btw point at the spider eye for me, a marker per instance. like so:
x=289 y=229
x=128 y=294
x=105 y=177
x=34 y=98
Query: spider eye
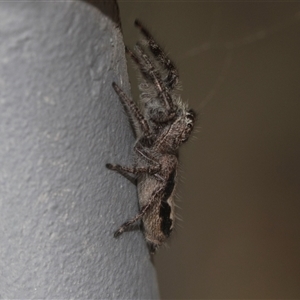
x=189 y=126
x=191 y=115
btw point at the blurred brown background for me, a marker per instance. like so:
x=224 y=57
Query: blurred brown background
x=240 y=190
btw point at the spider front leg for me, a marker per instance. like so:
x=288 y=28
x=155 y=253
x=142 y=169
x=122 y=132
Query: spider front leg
x=172 y=77
x=151 y=75
x=133 y=112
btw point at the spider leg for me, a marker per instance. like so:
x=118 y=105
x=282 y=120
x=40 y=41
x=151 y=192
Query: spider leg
x=152 y=169
x=133 y=111
x=132 y=170
x=149 y=72
x=142 y=212
x=151 y=159
x=147 y=68
x=125 y=173
x=159 y=54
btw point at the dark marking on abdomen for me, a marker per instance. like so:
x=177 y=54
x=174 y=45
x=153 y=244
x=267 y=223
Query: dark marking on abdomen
x=166 y=222
x=169 y=186
x=165 y=208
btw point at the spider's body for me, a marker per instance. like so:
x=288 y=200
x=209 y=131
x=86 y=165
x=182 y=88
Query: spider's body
x=161 y=125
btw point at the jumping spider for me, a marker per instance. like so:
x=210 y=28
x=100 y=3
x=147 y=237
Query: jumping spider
x=161 y=125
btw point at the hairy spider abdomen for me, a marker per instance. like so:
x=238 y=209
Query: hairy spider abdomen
x=158 y=222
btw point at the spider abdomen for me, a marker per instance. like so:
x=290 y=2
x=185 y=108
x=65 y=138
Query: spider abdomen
x=158 y=222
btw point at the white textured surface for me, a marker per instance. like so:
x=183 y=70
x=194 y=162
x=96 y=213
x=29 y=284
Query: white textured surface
x=60 y=122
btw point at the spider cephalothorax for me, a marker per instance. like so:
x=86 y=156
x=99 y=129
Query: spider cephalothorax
x=161 y=124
